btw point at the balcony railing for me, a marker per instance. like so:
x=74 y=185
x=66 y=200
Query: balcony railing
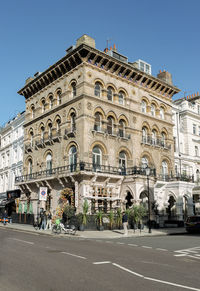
x=82 y=166
x=149 y=140
x=112 y=132
x=170 y=178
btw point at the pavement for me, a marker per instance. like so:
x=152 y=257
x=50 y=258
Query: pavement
x=105 y=234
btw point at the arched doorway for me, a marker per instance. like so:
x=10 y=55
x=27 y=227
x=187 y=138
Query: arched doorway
x=171 y=209
x=129 y=200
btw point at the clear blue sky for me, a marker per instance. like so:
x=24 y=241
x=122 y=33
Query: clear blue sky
x=35 y=34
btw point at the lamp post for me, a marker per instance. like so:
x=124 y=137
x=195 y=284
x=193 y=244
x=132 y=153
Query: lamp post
x=149 y=203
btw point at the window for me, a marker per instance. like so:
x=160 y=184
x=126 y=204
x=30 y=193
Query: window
x=31 y=138
x=58 y=122
x=30 y=166
x=144 y=162
x=144 y=106
x=51 y=102
x=73 y=123
x=110 y=94
x=110 y=125
x=196 y=151
x=42 y=133
x=49 y=163
x=96 y=158
x=194 y=128
x=74 y=89
x=50 y=130
x=162 y=113
x=32 y=111
x=144 y=135
x=97 y=125
x=59 y=97
x=122 y=162
x=73 y=158
x=121 y=128
x=164 y=169
x=153 y=110
x=121 y=98
x=163 y=139
x=154 y=137
x=97 y=89
x=43 y=105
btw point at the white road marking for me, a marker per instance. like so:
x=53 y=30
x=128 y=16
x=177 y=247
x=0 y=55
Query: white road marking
x=127 y=270
x=180 y=255
x=190 y=252
x=159 y=249
x=119 y=243
x=155 y=280
x=99 y=263
x=27 y=242
x=146 y=247
x=132 y=245
x=73 y=255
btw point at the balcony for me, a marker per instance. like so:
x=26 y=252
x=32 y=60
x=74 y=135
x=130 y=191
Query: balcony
x=171 y=178
x=70 y=133
x=149 y=140
x=56 y=135
x=40 y=143
x=87 y=167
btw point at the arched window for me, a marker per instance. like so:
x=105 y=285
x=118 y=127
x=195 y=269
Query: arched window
x=110 y=94
x=196 y=151
x=110 y=125
x=164 y=169
x=31 y=138
x=50 y=130
x=98 y=122
x=73 y=158
x=154 y=137
x=49 y=163
x=59 y=97
x=32 y=111
x=97 y=89
x=163 y=139
x=73 y=89
x=43 y=105
x=30 y=167
x=144 y=162
x=42 y=133
x=121 y=98
x=121 y=128
x=58 y=122
x=122 y=162
x=162 y=115
x=144 y=135
x=50 y=101
x=73 y=122
x=153 y=110
x=144 y=106
x=96 y=158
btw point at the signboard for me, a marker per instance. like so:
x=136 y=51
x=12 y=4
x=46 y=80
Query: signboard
x=43 y=194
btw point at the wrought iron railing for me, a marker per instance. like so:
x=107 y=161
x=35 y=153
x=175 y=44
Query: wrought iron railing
x=169 y=178
x=82 y=166
x=149 y=140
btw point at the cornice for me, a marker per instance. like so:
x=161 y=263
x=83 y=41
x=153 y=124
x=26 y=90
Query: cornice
x=85 y=53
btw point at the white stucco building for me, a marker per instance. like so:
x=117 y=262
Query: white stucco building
x=11 y=152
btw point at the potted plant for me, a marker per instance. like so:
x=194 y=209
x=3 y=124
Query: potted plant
x=99 y=218
x=111 y=219
x=84 y=216
x=139 y=211
x=119 y=218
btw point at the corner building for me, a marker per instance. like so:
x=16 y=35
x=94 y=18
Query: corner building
x=93 y=122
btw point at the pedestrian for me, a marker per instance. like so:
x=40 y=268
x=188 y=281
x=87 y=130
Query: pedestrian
x=49 y=217
x=125 y=223
x=5 y=217
x=43 y=217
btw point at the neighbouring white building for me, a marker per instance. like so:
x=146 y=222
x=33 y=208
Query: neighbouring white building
x=11 y=152
x=181 y=196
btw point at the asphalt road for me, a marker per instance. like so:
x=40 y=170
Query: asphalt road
x=40 y=262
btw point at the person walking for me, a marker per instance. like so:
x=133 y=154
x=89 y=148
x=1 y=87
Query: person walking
x=5 y=217
x=125 y=223
x=49 y=216
x=43 y=220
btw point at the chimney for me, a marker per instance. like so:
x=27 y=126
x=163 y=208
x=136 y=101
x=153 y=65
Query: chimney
x=114 y=48
x=165 y=76
x=85 y=39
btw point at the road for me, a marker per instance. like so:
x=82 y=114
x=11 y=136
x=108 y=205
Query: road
x=30 y=261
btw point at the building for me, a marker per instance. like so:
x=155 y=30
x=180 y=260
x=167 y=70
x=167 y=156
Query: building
x=11 y=154
x=94 y=121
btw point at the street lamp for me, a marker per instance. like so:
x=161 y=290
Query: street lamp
x=149 y=204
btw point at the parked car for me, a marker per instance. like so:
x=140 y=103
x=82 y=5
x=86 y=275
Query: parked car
x=193 y=223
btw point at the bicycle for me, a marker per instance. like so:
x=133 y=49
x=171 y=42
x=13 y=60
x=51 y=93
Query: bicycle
x=59 y=227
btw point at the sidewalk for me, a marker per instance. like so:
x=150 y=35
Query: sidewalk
x=106 y=234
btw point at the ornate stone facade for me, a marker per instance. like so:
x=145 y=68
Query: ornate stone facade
x=93 y=122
